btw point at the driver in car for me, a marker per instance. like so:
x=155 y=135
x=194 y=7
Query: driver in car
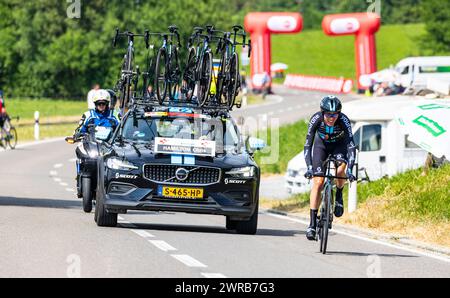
x=101 y=116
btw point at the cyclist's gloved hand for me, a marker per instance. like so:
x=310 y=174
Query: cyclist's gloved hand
x=309 y=174
x=350 y=176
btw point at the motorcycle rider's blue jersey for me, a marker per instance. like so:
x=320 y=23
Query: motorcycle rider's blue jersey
x=105 y=119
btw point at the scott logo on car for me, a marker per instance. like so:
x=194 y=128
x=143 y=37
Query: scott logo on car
x=122 y=176
x=234 y=181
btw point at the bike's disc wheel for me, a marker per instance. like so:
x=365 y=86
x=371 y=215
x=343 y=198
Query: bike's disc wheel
x=204 y=83
x=189 y=74
x=12 y=138
x=161 y=76
x=234 y=79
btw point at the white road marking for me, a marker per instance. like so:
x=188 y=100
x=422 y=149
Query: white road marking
x=162 y=245
x=444 y=259
x=213 y=275
x=290 y=109
x=143 y=234
x=53 y=173
x=57 y=179
x=70 y=189
x=58 y=165
x=63 y=184
x=271 y=113
x=189 y=261
x=72 y=160
x=281 y=111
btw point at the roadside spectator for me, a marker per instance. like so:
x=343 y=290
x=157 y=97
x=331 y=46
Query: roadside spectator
x=90 y=96
x=387 y=89
x=262 y=84
x=243 y=79
x=150 y=92
x=2 y=110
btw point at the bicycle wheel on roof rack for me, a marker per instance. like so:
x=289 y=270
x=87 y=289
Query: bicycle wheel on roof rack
x=174 y=77
x=204 y=82
x=221 y=80
x=188 y=84
x=233 y=81
x=161 y=76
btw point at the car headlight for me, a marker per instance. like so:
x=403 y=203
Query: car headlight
x=246 y=172
x=119 y=164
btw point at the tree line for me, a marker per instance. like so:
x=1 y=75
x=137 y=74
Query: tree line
x=45 y=53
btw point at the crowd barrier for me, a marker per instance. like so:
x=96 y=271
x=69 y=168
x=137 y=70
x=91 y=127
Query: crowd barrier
x=316 y=83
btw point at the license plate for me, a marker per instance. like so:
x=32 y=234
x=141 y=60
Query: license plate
x=180 y=192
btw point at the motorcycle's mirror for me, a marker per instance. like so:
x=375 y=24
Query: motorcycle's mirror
x=70 y=140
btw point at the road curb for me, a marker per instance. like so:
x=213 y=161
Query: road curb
x=387 y=238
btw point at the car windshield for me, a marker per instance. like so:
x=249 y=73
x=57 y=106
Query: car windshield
x=141 y=129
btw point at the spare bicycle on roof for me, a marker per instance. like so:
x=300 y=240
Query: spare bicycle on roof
x=199 y=83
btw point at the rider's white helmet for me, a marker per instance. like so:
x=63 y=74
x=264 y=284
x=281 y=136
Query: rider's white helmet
x=101 y=95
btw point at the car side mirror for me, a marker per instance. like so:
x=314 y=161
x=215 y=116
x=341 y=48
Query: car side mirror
x=255 y=144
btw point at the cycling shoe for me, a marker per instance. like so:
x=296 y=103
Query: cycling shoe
x=311 y=233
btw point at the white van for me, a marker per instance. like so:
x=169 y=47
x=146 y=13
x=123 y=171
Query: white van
x=383 y=149
x=416 y=71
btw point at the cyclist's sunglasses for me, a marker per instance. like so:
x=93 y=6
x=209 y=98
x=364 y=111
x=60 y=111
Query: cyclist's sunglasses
x=331 y=115
x=102 y=103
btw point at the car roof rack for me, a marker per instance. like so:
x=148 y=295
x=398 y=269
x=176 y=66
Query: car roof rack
x=152 y=104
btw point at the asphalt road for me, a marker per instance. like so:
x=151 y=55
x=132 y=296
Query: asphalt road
x=44 y=233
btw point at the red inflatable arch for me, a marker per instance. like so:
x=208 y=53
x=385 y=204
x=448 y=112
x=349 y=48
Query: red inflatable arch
x=261 y=25
x=363 y=26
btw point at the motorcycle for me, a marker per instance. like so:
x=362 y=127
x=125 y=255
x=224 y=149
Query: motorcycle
x=87 y=152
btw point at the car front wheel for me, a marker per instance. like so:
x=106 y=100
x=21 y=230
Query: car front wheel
x=103 y=217
x=246 y=227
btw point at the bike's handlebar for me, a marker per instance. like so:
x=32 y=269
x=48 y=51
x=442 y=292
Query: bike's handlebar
x=131 y=36
x=330 y=176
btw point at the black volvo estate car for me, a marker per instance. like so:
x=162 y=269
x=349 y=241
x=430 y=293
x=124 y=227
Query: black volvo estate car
x=182 y=160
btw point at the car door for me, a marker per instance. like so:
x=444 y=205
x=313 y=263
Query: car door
x=372 y=156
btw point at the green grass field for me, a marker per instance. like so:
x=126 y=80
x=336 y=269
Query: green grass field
x=47 y=108
x=314 y=53
x=26 y=133
x=51 y=110
x=291 y=140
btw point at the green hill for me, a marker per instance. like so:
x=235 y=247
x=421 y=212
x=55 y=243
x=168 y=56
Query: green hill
x=314 y=53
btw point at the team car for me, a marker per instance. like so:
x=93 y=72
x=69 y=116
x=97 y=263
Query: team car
x=179 y=159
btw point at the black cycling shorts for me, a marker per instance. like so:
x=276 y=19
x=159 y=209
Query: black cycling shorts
x=321 y=152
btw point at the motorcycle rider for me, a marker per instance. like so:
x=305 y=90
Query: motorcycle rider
x=330 y=132
x=102 y=115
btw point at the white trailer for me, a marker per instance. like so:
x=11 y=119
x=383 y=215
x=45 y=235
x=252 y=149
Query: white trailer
x=417 y=72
